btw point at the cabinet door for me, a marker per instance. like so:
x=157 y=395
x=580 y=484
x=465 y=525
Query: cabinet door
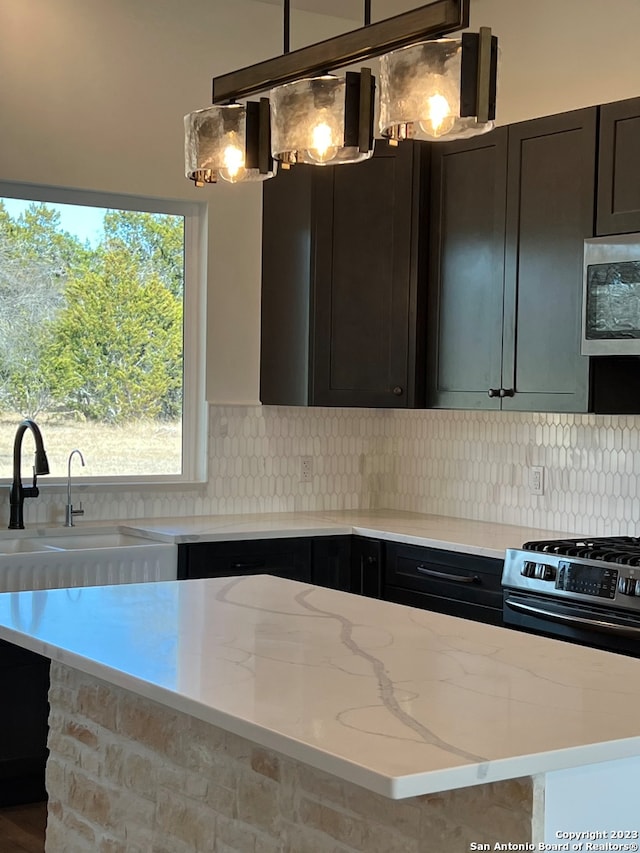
x=286 y=282
x=619 y=169
x=468 y=188
x=550 y=201
x=331 y=562
x=23 y=725
x=365 y=298
x=285 y=558
x=366 y=566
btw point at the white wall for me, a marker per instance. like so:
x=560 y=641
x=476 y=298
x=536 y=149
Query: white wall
x=557 y=55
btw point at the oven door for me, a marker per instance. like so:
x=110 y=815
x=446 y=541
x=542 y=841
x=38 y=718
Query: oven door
x=588 y=625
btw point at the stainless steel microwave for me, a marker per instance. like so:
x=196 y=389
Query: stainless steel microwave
x=611 y=296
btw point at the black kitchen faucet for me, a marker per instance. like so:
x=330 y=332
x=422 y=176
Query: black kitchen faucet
x=18 y=492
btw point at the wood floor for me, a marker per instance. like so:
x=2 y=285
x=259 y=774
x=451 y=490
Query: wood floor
x=22 y=828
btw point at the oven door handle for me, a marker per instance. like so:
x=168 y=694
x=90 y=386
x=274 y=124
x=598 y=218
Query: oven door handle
x=594 y=624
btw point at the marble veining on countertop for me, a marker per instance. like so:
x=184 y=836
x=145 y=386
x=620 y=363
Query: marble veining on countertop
x=398 y=700
x=458 y=534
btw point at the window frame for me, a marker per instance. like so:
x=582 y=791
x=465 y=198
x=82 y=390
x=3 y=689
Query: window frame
x=194 y=405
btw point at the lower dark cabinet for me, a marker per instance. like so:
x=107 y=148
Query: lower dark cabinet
x=285 y=558
x=449 y=582
x=462 y=585
x=331 y=558
x=367 y=556
x=23 y=725
x=322 y=560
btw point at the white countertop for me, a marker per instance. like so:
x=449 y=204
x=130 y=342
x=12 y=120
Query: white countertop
x=398 y=700
x=454 y=534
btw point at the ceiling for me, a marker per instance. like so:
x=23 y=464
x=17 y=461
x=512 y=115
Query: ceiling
x=353 y=10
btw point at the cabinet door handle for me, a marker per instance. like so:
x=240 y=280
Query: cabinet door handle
x=493 y=392
x=250 y=564
x=507 y=392
x=371 y=560
x=446 y=576
x=398 y=391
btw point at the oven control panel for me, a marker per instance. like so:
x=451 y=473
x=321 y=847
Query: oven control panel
x=569 y=577
x=599 y=581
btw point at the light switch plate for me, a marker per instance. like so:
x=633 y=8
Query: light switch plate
x=536 y=480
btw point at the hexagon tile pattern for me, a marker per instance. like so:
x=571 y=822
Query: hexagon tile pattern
x=476 y=465
x=457 y=463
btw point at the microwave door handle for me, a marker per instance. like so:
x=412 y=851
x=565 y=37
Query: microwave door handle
x=599 y=625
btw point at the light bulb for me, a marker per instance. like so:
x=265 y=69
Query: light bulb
x=440 y=118
x=322 y=151
x=233 y=169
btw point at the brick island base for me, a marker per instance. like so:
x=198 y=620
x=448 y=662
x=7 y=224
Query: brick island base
x=128 y=774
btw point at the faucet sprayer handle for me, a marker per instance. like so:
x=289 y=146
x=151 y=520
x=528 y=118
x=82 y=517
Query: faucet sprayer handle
x=31 y=491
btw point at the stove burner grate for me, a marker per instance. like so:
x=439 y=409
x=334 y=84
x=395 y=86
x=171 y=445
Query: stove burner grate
x=609 y=549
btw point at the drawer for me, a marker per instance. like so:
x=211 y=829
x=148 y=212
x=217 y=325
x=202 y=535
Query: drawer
x=448 y=606
x=447 y=574
x=286 y=558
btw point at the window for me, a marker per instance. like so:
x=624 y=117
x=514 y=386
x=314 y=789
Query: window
x=101 y=333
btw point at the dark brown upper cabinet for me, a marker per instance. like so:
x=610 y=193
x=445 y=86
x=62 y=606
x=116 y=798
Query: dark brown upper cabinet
x=618 y=168
x=342 y=283
x=468 y=193
x=509 y=213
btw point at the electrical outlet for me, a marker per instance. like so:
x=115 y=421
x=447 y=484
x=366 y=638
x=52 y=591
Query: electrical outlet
x=536 y=480
x=306 y=469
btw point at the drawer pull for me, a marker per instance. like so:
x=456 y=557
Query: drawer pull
x=251 y=564
x=445 y=576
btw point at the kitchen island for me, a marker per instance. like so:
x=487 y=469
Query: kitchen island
x=261 y=714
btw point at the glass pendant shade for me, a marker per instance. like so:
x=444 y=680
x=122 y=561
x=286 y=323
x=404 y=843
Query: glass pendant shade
x=216 y=146
x=308 y=123
x=420 y=93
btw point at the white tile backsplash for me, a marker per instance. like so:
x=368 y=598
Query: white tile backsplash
x=457 y=463
x=476 y=465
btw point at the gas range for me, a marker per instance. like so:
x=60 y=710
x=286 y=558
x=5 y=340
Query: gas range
x=586 y=590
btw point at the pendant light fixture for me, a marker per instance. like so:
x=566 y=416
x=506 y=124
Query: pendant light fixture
x=325 y=120
x=432 y=88
x=440 y=90
x=229 y=142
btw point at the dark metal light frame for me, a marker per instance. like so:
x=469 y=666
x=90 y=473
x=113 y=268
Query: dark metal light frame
x=431 y=21
x=478 y=75
x=359 y=110
x=258 y=137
